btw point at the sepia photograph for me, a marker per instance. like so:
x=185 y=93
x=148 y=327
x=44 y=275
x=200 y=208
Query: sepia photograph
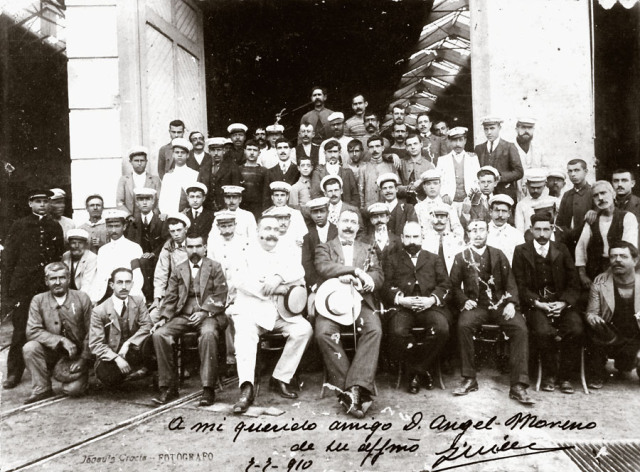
x=319 y=235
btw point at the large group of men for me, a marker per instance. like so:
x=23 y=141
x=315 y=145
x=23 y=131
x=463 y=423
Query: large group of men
x=399 y=243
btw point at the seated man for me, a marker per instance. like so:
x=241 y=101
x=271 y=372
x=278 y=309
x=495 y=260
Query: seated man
x=258 y=309
x=195 y=300
x=352 y=262
x=119 y=334
x=58 y=332
x=614 y=302
x=201 y=218
x=484 y=290
x=549 y=287
x=399 y=213
x=416 y=282
x=81 y=261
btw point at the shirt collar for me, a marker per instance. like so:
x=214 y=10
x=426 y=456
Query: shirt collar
x=495 y=143
x=539 y=246
x=481 y=251
x=99 y=222
x=117 y=304
x=60 y=300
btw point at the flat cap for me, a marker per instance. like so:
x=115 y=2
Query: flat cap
x=558 y=173
x=536 y=174
x=78 y=233
x=235 y=127
x=180 y=217
x=57 y=193
x=336 y=115
x=214 y=142
x=491 y=120
x=182 y=143
x=278 y=212
x=114 y=214
x=225 y=215
x=144 y=192
x=278 y=185
x=232 y=189
x=457 y=131
x=378 y=208
x=431 y=174
x=544 y=203
x=320 y=202
x=329 y=178
x=526 y=120
x=501 y=198
x=387 y=177
x=138 y=150
x=491 y=169
x=275 y=129
x=196 y=186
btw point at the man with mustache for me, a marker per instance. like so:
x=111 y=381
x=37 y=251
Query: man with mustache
x=165 y=154
x=431 y=186
x=332 y=150
x=438 y=238
x=432 y=147
x=416 y=282
x=399 y=213
x=285 y=170
x=355 y=125
x=139 y=177
x=372 y=127
x=238 y=135
x=194 y=300
x=556 y=183
x=222 y=172
x=383 y=241
x=198 y=157
x=245 y=221
x=260 y=137
x=352 y=262
x=268 y=157
x=273 y=270
x=280 y=198
x=374 y=168
x=536 y=190
x=614 y=301
x=623 y=182
x=336 y=121
x=501 y=233
x=611 y=224
x=549 y=287
x=319 y=116
x=81 y=261
x=306 y=146
x=485 y=291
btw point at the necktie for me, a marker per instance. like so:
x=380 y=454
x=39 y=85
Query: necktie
x=543 y=252
x=347 y=243
x=490 y=147
x=146 y=220
x=195 y=214
x=124 y=310
x=124 y=323
x=284 y=168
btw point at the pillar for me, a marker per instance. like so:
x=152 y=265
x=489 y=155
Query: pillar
x=534 y=58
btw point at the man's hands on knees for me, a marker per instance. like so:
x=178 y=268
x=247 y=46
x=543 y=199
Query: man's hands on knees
x=70 y=347
x=509 y=311
x=470 y=305
x=123 y=365
x=594 y=320
x=196 y=317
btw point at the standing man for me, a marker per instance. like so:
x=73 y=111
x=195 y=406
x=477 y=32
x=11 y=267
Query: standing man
x=336 y=120
x=377 y=165
x=285 y=170
x=399 y=133
x=82 y=263
x=252 y=178
x=459 y=170
x=96 y=227
x=56 y=210
x=437 y=236
x=399 y=213
x=223 y=172
x=260 y=137
x=476 y=205
x=484 y=290
x=556 y=183
x=280 y=197
x=139 y=178
x=501 y=234
x=319 y=116
x=536 y=189
x=58 y=334
x=502 y=155
x=32 y=242
x=549 y=287
x=358 y=271
x=259 y=308
x=355 y=125
x=320 y=232
x=412 y=168
x=301 y=190
x=424 y=210
x=530 y=156
x=268 y=157
x=306 y=146
x=383 y=241
x=238 y=135
x=201 y=219
x=165 y=155
x=119 y=334
x=575 y=204
x=195 y=299
x=441 y=128
x=623 y=182
x=198 y=158
x=172 y=197
x=245 y=222
x=416 y=282
x=431 y=144
x=333 y=167
x=356 y=156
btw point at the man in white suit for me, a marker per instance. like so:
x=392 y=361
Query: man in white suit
x=273 y=270
x=82 y=263
x=459 y=169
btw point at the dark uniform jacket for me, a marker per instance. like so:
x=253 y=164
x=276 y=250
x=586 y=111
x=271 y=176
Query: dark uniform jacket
x=227 y=174
x=150 y=239
x=201 y=225
x=350 y=193
x=309 y=244
x=506 y=160
x=402 y=213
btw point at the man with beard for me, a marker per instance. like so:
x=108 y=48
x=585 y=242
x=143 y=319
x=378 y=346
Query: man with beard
x=431 y=144
x=256 y=310
x=355 y=124
x=353 y=263
x=285 y=170
x=416 y=282
x=623 y=182
x=253 y=179
x=548 y=285
x=319 y=116
x=431 y=186
x=530 y=156
x=399 y=133
x=336 y=121
x=165 y=154
x=412 y=168
x=198 y=158
x=536 y=189
x=58 y=330
x=502 y=155
x=484 y=290
x=119 y=334
x=96 y=226
x=614 y=300
x=332 y=150
x=611 y=224
x=268 y=158
x=320 y=232
x=501 y=234
x=374 y=168
x=238 y=135
x=32 y=242
x=437 y=237
x=195 y=299
x=399 y=213
x=556 y=183
x=306 y=146
x=222 y=172
x=172 y=196
x=260 y=137
x=575 y=204
x=245 y=221
x=383 y=241
x=82 y=263
x=140 y=177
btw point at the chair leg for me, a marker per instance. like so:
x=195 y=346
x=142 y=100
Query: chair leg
x=324 y=380
x=439 y=374
x=583 y=378
x=375 y=388
x=539 y=380
x=399 y=378
x=180 y=360
x=258 y=371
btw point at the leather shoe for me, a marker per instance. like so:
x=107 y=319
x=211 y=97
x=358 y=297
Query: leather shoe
x=427 y=381
x=355 y=402
x=282 y=388
x=246 y=399
x=519 y=393
x=549 y=384
x=36 y=397
x=566 y=387
x=10 y=382
x=414 y=384
x=166 y=395
x=208 y=397
x=138 y=374
x=467 y=385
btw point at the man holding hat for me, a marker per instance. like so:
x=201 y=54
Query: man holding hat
x=165 y=154
x=56 y=210
x=238 y=135
x=476 y=205
x=417 y=283
x=252 y=178
x=223 y=172
x=424 y=210
x=198 y=160
x=266 y=290
x=459 y=170
x=320 y=232
x=201 y=218
x=502 y=155
x=501 y=233
x=140 y=177
x=82 y=263
x=58 y=334
x=399 y=213
x=118 y=252
x=536 y=189
x=332 y=150
x=319 y=116
x=356 y=267
x=245 y=222
x=268 y=157
x=336 y=121
x=172 y=196
x=32 y=242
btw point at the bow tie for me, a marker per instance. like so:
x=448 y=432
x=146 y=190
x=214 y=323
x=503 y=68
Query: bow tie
x=347 y=243
x=196 y=266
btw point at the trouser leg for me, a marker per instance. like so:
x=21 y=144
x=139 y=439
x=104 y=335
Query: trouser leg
x=362 y=371
x=571 y=330
x=15 y=360
x=437 y=333
x=163 y=340
x=468 y=322
x=229 y=335
x=516 y=329
x=210 y=330
x=327 y=334
x=38 y=360
x=544 y=334
x=246 y=346
x=298 y=335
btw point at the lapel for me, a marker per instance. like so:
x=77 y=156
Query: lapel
x=422 y=259
x=337 y=248
x=359 y=254
x=148 y=181
x=129 y=185
x=205 y=271
x=495 y=261
x=185 y=272
x=56 y=327
x=554 y=253
x=332 y=233
x=81 y=264
x=113 y=316
x=608 y=294
x=636 y=302
x=529 y=254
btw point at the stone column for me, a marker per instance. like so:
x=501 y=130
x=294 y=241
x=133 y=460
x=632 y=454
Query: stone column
x=533 y=57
